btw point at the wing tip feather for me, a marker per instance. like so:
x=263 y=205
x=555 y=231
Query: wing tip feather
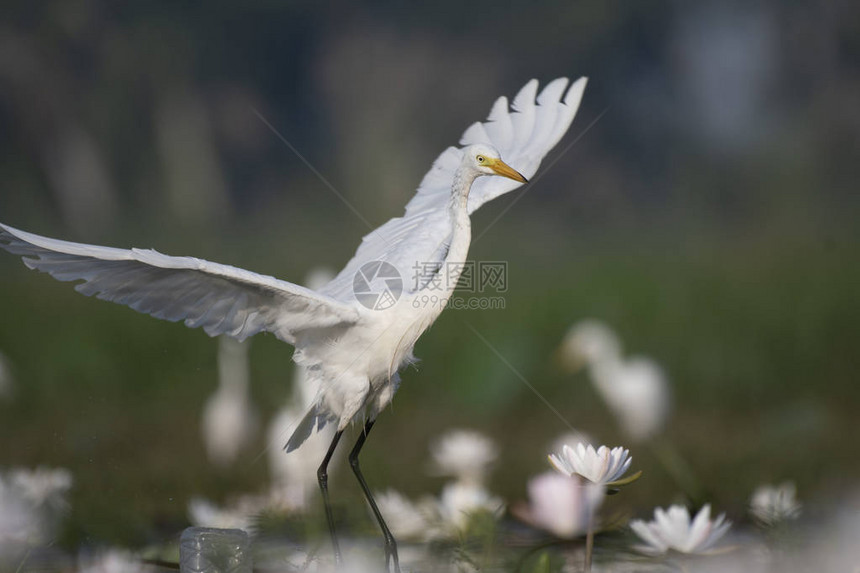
x=552 y=91
x=575 y=91
x=526 y=96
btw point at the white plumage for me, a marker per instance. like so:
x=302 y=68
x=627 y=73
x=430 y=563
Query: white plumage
x=219 y=298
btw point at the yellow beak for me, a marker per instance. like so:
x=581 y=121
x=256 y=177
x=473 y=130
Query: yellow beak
x=505 y=170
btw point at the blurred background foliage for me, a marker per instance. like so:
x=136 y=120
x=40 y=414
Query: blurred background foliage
x=709 y=215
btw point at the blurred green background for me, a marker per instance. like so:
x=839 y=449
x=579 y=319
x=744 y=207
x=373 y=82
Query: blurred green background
x=709 y=215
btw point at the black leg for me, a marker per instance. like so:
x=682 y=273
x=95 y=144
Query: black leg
x=322 y=478
x=390 y=543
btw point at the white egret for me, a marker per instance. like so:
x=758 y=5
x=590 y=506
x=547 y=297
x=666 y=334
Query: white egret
x=357 y=331
x=6 y=382
x=229 y=420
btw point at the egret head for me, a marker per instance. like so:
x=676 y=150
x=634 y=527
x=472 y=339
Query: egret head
x=486 y=160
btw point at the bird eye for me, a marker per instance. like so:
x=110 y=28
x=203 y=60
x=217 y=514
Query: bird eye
x=480 y=159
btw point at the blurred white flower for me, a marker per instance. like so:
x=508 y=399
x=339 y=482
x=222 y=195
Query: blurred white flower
x=601 y=466
x=444 y=517
x=635 y=390
x=561 y=505
x=20 y=520
x=229 y=422
x=42 y=486
x=772 y=504
x=113 y=561
x=459 y=500
x=204 y=513
x=673 y=529
x=6 y=382
x=407 y=520
x=464 y=454
x=32 y=503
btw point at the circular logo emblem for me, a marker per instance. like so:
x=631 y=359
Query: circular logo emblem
x=377 y=285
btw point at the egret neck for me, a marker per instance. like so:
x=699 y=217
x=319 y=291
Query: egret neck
x=461 y=237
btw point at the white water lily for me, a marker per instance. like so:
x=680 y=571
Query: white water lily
x=459 y=500
x=407 y=520
x=673 y=529
x=601 y=466
x=32 y=503
x=113 y=561
x=42 y=486
x=464 y=454
x=560 y=505
x=204 y=513
x=20 y=522
x=443 y=517
x=773 y=504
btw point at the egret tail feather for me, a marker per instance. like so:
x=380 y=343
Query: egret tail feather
x=312 y=420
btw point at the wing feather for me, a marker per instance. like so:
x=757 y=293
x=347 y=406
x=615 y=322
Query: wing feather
x=523 y=132
x=568 y=112
x=539 y=124
x=524 y=116
x=546 y=116
x=474 y=133
x=218 y=298
x=499 y=126
x=227 y=300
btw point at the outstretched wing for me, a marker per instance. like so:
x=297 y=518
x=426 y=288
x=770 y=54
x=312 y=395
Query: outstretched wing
x=523 y=132
x=219 y=298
